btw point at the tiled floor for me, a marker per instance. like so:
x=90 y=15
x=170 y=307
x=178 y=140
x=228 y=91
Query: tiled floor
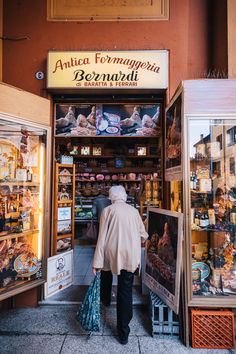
x=83 y=276
x=83 y=259
x=54 y=329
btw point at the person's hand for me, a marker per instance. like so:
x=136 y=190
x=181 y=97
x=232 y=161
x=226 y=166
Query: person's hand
x=143 y=243
x=95 y=270
x=146 y=223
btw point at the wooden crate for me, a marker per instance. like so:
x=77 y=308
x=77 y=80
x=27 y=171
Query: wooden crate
x=212 y=329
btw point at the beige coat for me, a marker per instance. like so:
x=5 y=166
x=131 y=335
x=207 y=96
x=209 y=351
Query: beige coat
x=119 y=239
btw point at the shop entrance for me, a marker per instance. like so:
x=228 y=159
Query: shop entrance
x=110 y=141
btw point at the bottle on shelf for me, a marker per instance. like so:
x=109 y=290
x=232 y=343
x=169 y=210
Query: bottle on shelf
x=212 y=217
x=233 y=215
x=29 y=174
x=195 y=182
x=207 y=222
x=191 y=181
x=197 y=218
x=202 y=222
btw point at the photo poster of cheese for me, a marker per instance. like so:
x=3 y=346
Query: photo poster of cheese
x=128 y=120
x=108 y=119
x=75 y=120
x=140 y=120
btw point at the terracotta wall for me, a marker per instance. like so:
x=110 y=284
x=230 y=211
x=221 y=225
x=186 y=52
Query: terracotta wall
x=1 y=28
x=231 y=10
x=185 y=35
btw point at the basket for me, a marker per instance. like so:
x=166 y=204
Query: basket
x=212 y=329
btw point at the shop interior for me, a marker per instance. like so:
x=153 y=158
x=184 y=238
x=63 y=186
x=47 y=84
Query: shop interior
x=100 y=142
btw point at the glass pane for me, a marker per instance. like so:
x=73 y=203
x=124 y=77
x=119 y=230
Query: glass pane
x=22 y=173
x=212 y=150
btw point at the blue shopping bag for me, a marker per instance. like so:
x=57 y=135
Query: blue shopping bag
x=89 y=311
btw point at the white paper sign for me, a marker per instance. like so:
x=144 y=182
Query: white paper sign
x=59 y=273
x=64 y=213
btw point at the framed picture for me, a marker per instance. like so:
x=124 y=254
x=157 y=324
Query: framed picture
x=85 y=150
x=173 y=148
x=152 y=150
x=163 y=256
x=64 y=226
x=141 y=150
x=97 y=150
x=75 y=150
x=21 y=174
x=119 y=162
x=64 y=213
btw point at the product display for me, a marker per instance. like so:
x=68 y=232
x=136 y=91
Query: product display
x=213 y=201
x=111 y=144
x=22 y=193
x=63 y=226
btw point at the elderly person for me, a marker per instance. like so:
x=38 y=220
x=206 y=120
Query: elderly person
x=118 y=251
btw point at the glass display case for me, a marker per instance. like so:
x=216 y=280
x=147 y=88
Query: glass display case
x=212 y=202
x=23 y=160
x=200 y=171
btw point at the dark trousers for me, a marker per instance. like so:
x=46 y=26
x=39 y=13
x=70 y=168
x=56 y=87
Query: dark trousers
x=124 y=305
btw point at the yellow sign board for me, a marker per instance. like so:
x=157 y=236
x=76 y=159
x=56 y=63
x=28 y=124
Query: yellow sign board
x=108 y=70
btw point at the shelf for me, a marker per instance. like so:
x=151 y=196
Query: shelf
x=16 y=234
x=64 y=175
x=31 y=184
x=66 y=165
x=118 y=170
x=66 y=201
x=64 y=236
x=199 y=192
x=211 y=230
x=118 y=180
x=116 y=156
x=101 y=137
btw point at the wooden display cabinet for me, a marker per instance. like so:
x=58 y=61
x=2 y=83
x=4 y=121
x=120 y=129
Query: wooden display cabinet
x=63 y=220
x=200 y=150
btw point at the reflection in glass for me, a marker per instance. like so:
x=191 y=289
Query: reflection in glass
x=212 y=184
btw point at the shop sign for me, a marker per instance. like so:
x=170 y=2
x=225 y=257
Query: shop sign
x=108 y=70
x=59 y=273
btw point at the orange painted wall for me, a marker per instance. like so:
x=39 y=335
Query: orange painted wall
x=185 y=35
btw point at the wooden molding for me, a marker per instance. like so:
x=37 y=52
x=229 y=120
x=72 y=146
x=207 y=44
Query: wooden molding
x=231 y=9
x=107 y=10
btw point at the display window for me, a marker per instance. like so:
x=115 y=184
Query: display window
x=22 y=204
x=213 y=206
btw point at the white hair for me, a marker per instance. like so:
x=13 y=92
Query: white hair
x=117 y=193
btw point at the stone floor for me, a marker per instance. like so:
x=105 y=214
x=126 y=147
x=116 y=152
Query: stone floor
x=54 y=329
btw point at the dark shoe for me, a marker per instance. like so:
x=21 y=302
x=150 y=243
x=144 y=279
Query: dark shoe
x=123 y=341
x=105 y=303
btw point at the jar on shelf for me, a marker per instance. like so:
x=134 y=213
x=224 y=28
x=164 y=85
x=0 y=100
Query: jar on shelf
x=128 y=163
x=111 y=163
x=92 y=163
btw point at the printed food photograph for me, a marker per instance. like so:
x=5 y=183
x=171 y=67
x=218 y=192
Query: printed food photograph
x=75 y=120
x=163 y=254
x=173 y=135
